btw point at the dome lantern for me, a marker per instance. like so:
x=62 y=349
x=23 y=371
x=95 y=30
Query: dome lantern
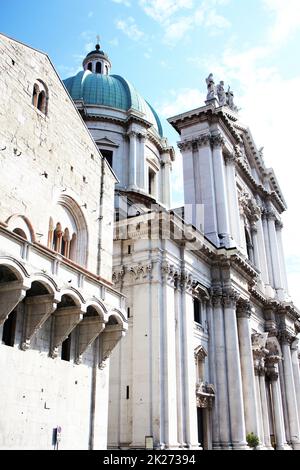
x=97 y=61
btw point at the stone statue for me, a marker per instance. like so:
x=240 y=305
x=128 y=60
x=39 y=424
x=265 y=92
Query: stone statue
x=230 y=101
x=211 y=89
x=221 y=94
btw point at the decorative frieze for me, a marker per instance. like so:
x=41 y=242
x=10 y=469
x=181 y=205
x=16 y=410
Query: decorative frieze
x=141 y=271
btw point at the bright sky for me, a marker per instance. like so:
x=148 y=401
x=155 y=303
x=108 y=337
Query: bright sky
x=166 y=48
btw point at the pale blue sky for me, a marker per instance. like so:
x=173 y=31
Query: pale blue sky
x=166 y=48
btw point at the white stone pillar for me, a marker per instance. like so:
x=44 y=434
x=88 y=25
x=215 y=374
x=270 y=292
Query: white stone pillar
x=273 y=374
x=265 y=411
x=220 y=191
x=279 y=227
x=206 y=188
x=132 y=159
x=179 y=365
x=236 y=403
x=260 y=432
x=262 y=252
x=274 y=251
x=247 y=367
x=255 y=246
x=189 y=373
x=292 y=407
x=267 y=248
x=221 y=376
x=168 y=353
x=296 y=371
x=212 y=376
x=233 y=203
x=166 y=179
x=141 y=180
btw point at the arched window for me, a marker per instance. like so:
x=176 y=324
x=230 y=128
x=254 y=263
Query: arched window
x=40 y=97
x=35 y=95
x=98 y=67
x=90 y=66
x=67 y=232
x=20 y=232
x=41 y=105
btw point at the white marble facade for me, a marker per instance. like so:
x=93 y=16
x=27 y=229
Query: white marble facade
x=211 y=353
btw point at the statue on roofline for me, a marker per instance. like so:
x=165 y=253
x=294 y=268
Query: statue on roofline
x=221 y=94
x=211 y=89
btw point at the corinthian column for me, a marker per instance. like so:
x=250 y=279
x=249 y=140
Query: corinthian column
x=274 y=251
x=220 y=190
x=221 y=378
x=132 y=159
x=296 y=371
x=236 y=403
x=165 y=180
x=233 y=203
x=273 y=374
x=290 y=390
x=255 y=246
x=247 y=367
x=279 y=227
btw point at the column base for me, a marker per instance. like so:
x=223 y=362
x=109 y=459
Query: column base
x=240 y=446
x=264 y=448
x=296 y=445
x=284 y=447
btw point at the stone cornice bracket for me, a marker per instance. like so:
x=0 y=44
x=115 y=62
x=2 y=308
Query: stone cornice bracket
x=230 y=158
x=244 y=309
x=141 y=271
x=118 y=275
x=217 y=140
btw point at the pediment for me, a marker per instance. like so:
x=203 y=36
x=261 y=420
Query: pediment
x=106 y=142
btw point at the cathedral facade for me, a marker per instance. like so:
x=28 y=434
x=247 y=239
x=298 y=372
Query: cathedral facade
x=91 y=250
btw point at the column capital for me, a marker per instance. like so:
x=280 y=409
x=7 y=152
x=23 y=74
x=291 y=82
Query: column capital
x=286 y=337
x=217 y=298
x=217 y=141
x=295 y=344
x=230 y=298
x=243 y=309
x=278 y=224
x=131 y=134
x=185 y=145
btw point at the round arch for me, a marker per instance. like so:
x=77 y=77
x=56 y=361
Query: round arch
x=20 y=223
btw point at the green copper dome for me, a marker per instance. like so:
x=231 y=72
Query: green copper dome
x=112 y=91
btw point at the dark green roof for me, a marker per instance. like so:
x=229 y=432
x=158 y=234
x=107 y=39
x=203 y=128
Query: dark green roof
x=112 y=91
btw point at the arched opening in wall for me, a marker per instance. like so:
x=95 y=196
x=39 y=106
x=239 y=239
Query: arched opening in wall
x=98 y=67
x=67 y=344
x=69 y=235
x=90 y=66
x=35 y=95
x=113 y=320
x=20 y=232
x=20 y=225
x=9 y=325
x=41 y=105
x=40 y=96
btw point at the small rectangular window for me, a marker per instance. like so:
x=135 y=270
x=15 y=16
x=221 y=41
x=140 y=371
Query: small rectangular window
x=108 y=154
x=151 y=182
x=128 y=312
x=129 y=249
x=127 y=392
x=197 y=311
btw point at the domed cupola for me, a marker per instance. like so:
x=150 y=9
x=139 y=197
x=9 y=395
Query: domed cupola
x=97 y=61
